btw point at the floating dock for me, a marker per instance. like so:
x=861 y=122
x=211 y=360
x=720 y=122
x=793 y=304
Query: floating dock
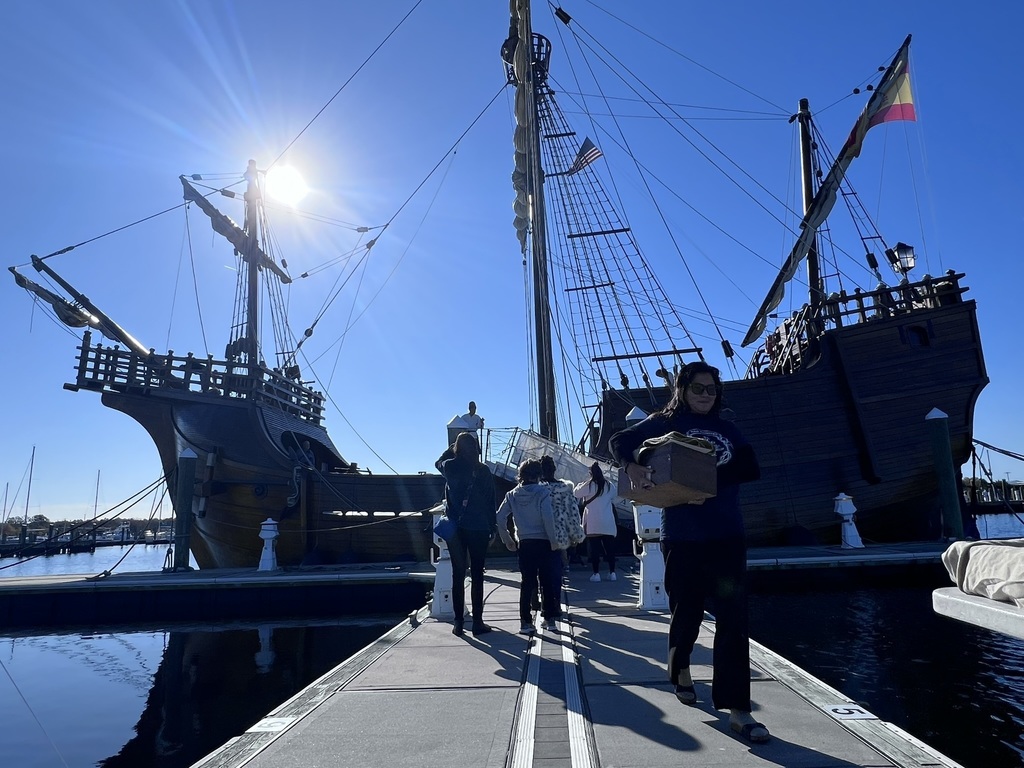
x=591 y=694
x=345 y=590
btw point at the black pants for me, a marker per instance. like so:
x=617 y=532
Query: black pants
x=468 y=548
x=599 y=545
x=539 y=563
x=715 y=570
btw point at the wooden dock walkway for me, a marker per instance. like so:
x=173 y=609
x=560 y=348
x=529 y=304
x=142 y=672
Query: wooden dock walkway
x=592 y=694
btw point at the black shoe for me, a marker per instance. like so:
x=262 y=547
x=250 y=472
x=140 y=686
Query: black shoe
x=457 y=629
x=479 y=628
x=686 y=694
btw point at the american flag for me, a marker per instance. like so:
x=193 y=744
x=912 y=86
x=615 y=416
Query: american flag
x=588 y=153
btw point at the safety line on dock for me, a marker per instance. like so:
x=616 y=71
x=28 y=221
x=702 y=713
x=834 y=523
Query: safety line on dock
x=523 y=741
x=579 y=743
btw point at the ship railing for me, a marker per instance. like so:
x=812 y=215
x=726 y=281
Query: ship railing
x=114 y=369
x=786 y=347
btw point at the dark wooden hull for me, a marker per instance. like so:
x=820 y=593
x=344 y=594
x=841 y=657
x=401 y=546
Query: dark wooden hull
x=852 y=422
x=245 y=475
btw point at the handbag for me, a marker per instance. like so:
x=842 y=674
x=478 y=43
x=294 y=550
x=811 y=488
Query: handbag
x=445 y=528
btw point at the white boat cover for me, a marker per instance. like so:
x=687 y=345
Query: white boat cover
x=989 y=568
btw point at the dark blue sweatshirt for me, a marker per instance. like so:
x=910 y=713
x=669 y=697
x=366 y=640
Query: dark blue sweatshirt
x=719 y=517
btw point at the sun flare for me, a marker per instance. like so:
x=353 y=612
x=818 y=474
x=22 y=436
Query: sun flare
x=286 y=185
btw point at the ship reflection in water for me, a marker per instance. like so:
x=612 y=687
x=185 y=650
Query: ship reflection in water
x=161 y=698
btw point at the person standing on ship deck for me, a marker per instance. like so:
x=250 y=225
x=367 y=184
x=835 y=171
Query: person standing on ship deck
x=704 y=545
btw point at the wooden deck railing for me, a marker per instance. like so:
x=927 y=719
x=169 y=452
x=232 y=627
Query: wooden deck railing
x=785 y=347
x=121 y=370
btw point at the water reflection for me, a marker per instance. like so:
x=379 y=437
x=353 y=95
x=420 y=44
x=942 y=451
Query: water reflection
x=161 y=698
x=956 y=687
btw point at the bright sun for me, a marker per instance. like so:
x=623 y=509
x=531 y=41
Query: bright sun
x=285 y=184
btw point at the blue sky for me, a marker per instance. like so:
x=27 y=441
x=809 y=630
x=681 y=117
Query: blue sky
x=107 y=102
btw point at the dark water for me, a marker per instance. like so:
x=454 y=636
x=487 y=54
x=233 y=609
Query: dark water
x=154 y=696
x=956 y=687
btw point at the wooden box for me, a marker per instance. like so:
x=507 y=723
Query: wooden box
x=680 y=475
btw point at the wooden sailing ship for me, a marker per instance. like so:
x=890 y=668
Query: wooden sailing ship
x=834 y=397
x=254 y=431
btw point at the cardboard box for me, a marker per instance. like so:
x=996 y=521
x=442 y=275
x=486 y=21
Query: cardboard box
x=680 y=475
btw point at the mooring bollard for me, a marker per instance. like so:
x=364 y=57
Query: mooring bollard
x=268 y=558
x=652 y=563
x=441 y=605
x=942 y=455
x=845 y=509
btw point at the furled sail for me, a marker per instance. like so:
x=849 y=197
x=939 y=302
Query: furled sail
x=891 y=100
x=223 y=225
x=79 y=314
x=67 y=313
x=519 y=45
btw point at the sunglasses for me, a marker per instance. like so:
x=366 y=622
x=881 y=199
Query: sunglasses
x=703 y=389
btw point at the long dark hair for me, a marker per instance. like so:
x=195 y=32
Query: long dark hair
x=686 y=376
x=547 y=469
x=467 y=448
x=597 y=477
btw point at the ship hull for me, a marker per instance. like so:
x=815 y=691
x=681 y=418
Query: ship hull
x=852 y=422
x=257 y=452
x=245 y=476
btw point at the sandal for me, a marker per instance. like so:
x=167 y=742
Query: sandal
x=755 y=733
x=686 y=694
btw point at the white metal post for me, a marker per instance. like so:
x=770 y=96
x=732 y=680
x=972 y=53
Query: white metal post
x=652 y=564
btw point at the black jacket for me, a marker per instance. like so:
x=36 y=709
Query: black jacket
x=469 y=494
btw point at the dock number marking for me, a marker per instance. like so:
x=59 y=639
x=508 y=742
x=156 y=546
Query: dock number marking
x=272 y=724
x=848 y=712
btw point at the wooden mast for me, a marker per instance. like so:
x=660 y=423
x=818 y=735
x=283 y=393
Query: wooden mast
x=251 y=227
x=536 y=80
x=814 y=284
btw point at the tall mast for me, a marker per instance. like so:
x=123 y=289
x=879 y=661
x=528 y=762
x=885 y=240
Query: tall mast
x=529 y=71
x=251 y=227
x=807 y=173
x=245 y=240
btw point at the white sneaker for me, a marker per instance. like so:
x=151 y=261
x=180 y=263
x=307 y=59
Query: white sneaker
x=596 y=577
x=612 y=576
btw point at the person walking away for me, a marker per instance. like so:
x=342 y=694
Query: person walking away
x=529 y=505
x=596 y=495
x=469 y=497
x=704 y=545
x=568 y=530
